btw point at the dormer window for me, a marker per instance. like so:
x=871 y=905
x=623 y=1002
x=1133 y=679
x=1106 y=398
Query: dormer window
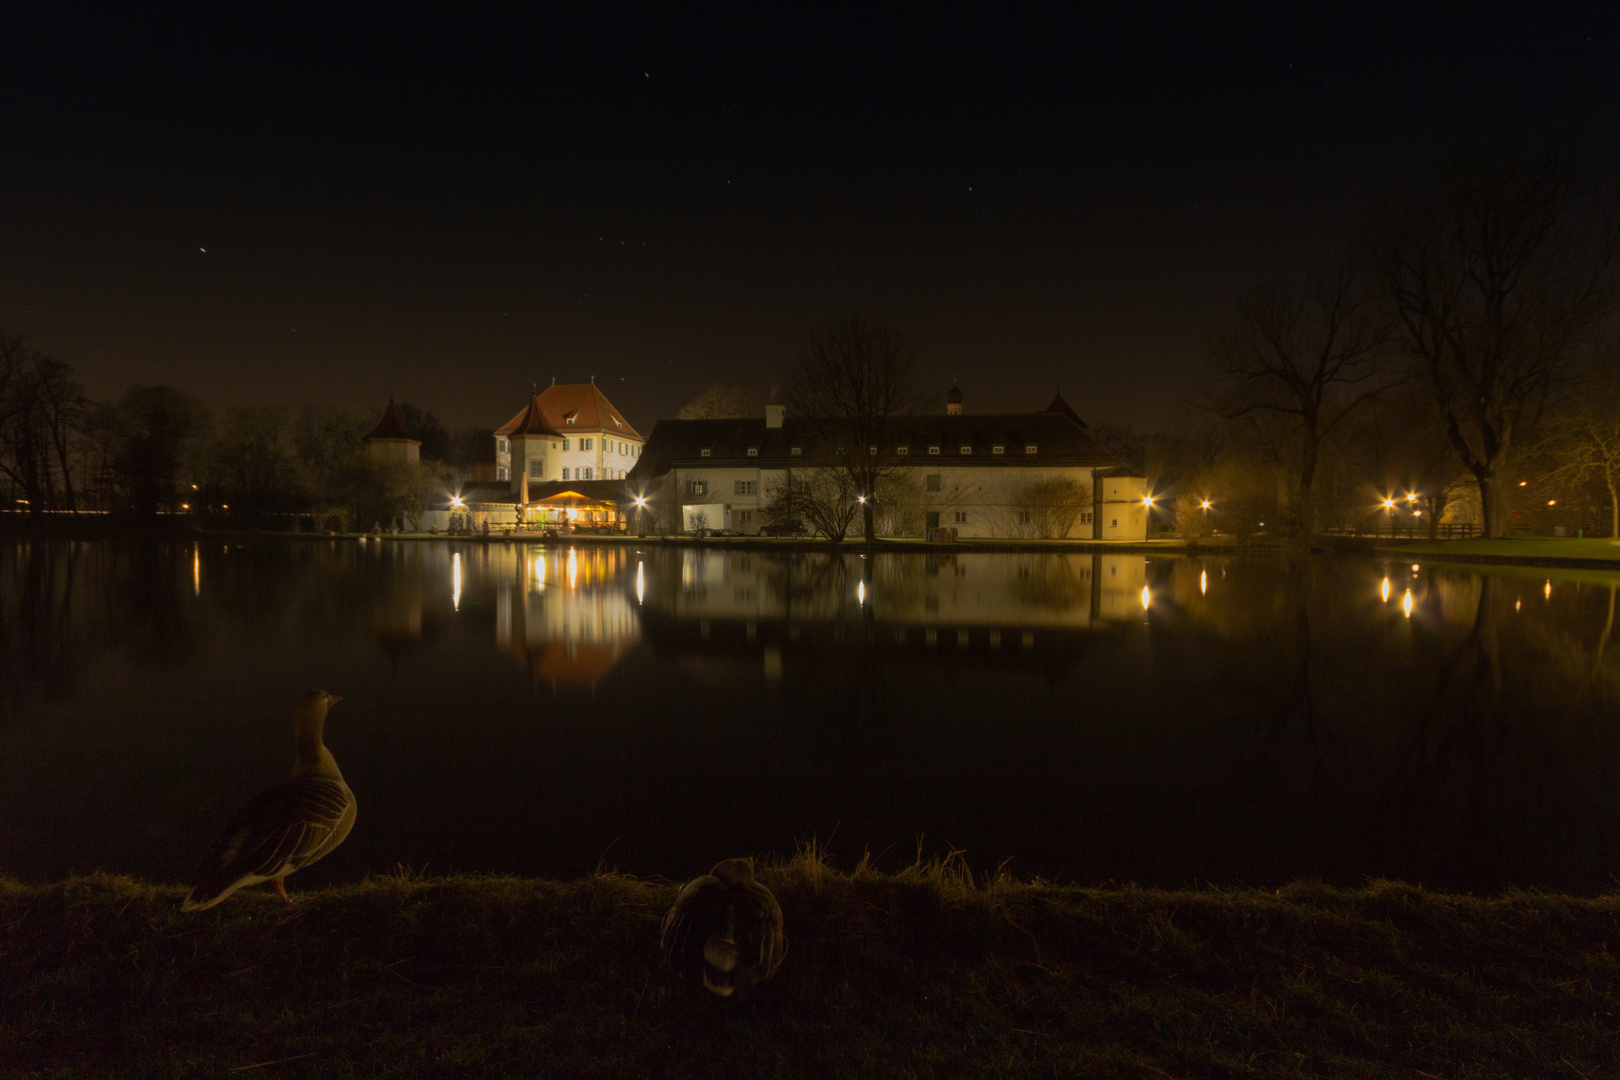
x=902 y=449
x=753 y=451
x=570 y=418
x=998 y=449
x=872 y=450
x=616 y=422
x=933 y=449
x=795 y=451
x=704 y=451
x=1030 y=449
x=967 y=449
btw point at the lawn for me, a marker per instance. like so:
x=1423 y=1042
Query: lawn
x=921 y=973
x=1545 y=550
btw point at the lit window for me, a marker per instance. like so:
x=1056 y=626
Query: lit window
x=753 y=451
x=998 y=449
x=697 y=487
x=872 y=450
x=902 y=449
x=933 y=449
x=616 y=422
x=961 y=517
x=967 y=449
x=704 y=451
x=795 y=451
x=1030 y=449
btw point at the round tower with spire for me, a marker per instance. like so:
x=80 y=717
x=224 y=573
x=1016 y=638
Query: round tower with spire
x=953 y=400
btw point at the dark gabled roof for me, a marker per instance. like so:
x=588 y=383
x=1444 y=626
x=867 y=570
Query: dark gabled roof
x=1058 y=439
x=1122 y=471
x=484 y=493
x=1062 y=408
x=391 y=426
x=953 y=396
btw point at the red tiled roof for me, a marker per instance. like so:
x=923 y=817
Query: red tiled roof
x=391 y=426
x=589 y=407
x=531 y=421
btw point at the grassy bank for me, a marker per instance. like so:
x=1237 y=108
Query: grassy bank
x=917 y=974
x=1575 y=552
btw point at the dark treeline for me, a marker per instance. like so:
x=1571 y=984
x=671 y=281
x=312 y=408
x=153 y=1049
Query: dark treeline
x=1454 y=367
x=159 y=450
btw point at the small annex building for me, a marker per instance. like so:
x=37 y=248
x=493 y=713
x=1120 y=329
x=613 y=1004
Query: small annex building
x=1015 y=475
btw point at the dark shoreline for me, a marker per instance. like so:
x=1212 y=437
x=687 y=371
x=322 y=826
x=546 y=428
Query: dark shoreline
x=927 y=972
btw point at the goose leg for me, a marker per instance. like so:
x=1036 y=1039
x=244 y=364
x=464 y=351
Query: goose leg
x=281 y=891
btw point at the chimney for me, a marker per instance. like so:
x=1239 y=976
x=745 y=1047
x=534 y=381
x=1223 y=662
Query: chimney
x=774 y=415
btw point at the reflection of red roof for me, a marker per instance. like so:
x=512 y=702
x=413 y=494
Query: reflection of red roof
x=391 y=426
x=587 y=407
x=531 y=421
x=580 y=663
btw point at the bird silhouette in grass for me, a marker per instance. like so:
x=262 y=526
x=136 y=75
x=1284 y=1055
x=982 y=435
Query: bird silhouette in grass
x=724 y=932
x=288 y=825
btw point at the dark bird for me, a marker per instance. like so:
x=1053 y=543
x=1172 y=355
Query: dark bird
x=286 y=827
x=724 y=931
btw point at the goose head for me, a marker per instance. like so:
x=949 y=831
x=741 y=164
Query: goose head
x=308 y=722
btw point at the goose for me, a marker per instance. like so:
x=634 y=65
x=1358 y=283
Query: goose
x=287 y=826
x=724 y=932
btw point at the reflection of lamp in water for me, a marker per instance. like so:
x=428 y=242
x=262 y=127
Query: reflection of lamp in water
x=1147 y=598
x=860 y=592
x=1406 y=603
x=196 y=571
x=455 y=580
x=573 y=568
x=1546 y=590
x=641 y=582
x=540 y=571
x=1203 y=582
x=1383 y=590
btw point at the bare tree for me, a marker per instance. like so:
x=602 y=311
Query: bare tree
x=1050 y=505
x=1498 y=270
x=849 y=386
x=823 y=499
x=721 y=400
x=1307 y=355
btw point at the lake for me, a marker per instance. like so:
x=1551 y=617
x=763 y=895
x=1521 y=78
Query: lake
x=549 y=709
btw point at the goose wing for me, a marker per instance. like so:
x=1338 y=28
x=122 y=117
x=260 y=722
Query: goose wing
x=699 y=909
x=761 y=943
x=285 y=827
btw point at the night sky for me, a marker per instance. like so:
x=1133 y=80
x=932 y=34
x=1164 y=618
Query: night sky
x=294 y=206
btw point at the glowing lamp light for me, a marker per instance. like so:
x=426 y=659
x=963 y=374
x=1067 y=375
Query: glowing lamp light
x=1147 y=500
x=860 y=592
x=1204 y=505
x=1414 y=568
x=1552 y=502
x=1406 y=603
x=1522 y=483
x=640 y=501
x=455 y=581
x=641 y=582
x=456 y=501
x=1203 y=582
x=1546 y=590
x=1383 y=590
x=1411 y=496
x=860 y=499
x=1389 y=504
x=1147 y=598
x=573 y=568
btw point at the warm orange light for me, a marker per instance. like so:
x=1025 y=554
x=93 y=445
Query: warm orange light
x=1147 y=598
x=1406 y=603
x=1411 y=496
x=1204 y=505
x=1383 y=590
x=1389 y=504
x=1552 y=502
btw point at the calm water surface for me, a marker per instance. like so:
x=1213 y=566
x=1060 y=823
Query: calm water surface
x=546 y=709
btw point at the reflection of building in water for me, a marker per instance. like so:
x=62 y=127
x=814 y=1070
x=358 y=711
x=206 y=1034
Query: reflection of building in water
x=1072 y=591
x=567 y=613
x=1008 y=606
